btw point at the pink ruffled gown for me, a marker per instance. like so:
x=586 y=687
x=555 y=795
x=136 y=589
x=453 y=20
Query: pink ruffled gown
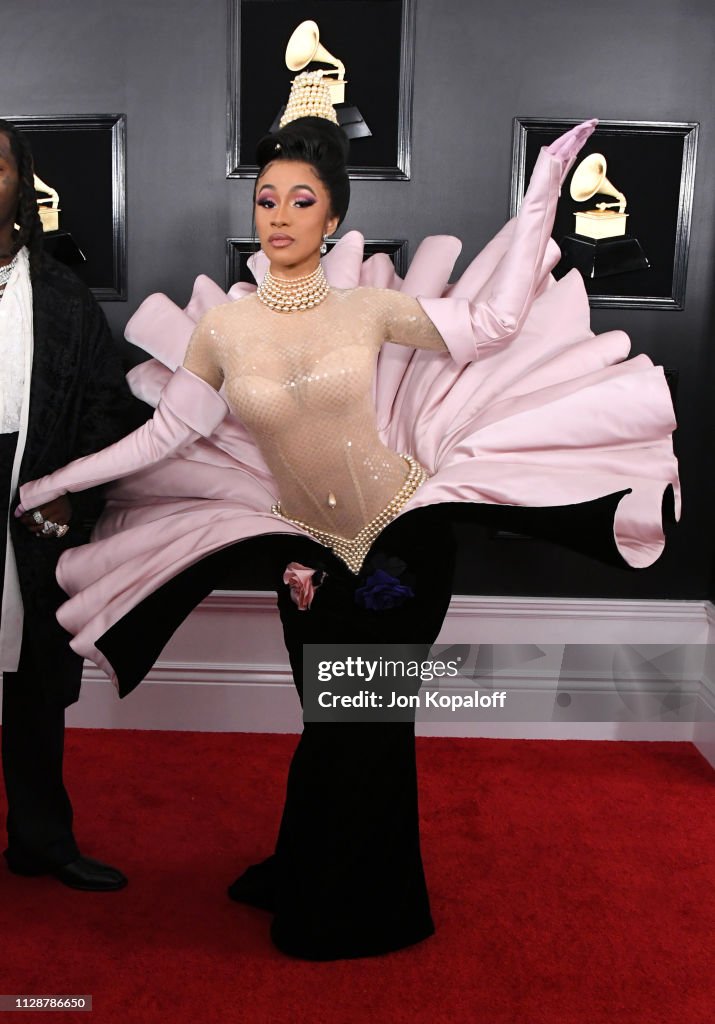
x=527 y=409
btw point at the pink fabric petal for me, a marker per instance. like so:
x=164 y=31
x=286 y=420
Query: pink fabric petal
x=431 y=266
x=258 y=264
x=205 y=296
x=378 y=271
x=240 y=290
x=343 y=264
x=161 y=329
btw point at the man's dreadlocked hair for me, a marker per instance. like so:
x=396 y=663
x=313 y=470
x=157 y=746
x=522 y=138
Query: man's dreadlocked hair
x=28 y=217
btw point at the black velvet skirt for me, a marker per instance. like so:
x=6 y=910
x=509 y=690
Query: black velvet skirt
x=348 y=869
x=346 y=878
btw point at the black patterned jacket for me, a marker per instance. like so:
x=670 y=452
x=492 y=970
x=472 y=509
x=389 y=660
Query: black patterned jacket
x=79 y=403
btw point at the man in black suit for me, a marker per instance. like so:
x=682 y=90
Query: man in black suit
x=62 y=395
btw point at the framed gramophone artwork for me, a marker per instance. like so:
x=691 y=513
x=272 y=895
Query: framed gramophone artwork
x=366 y=50
x=80 y=183
x=623 y=219
x=239 y=251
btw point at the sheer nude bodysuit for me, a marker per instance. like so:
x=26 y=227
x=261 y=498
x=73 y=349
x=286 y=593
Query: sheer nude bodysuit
x=301 y=384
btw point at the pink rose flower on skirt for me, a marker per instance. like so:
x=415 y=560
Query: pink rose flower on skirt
x=303 y=582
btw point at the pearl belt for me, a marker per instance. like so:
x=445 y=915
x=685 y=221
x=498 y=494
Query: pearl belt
x=353 y=551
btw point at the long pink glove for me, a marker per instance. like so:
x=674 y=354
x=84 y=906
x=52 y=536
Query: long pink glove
x=188 y=408
x=471 y=328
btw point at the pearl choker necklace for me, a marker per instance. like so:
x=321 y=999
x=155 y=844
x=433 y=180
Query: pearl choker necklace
x=296 y=294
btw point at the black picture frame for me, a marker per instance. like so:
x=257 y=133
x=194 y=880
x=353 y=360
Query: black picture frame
x=83 y=156
x=238 y=251
x=375 y=41
x=653 y=164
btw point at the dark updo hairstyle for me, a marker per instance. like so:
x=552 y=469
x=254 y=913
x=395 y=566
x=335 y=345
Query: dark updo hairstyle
x=318 y=142
x=27 y=216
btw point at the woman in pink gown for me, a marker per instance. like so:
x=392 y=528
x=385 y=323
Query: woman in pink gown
x=333 y=416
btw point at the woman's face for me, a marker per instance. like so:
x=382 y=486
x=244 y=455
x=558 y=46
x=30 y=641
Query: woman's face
x=9 y=185
x=292 y=215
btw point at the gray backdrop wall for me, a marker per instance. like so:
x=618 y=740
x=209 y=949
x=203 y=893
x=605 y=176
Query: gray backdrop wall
x=477 y=65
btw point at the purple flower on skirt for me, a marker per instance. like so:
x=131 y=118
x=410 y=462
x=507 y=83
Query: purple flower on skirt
x=382 y=591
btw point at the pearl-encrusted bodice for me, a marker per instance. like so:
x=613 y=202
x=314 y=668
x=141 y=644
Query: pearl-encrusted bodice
x=301 y=384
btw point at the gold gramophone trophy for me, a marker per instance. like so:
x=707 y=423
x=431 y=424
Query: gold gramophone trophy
x=49 y=214
x=600 y=246
x=304 y=47
x=59 y=244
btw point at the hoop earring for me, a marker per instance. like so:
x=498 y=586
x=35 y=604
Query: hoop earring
x=324 y=246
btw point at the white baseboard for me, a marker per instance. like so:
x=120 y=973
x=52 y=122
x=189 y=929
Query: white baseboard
x=242 y=681
x=704 y=728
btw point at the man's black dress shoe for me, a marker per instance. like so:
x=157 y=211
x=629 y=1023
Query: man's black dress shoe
x=83 y=873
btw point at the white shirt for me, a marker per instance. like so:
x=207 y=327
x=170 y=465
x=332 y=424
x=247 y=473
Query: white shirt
x=12 y=357
x=15 y=333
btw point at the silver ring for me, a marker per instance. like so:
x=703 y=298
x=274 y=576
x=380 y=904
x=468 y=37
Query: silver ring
x=62 y=529
x=38 y=517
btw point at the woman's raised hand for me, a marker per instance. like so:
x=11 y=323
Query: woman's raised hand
x=566 y=148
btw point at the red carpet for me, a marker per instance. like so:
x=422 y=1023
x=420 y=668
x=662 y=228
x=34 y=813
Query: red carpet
x=571 y=882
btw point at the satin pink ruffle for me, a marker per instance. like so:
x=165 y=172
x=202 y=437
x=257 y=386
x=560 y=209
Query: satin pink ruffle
x=553 y=418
